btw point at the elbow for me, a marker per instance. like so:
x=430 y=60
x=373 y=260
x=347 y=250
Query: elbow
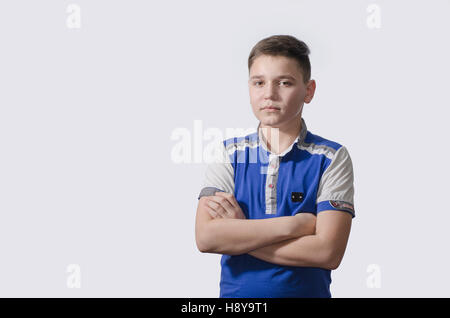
x=333 y=261
x=208 y=244
x=330 y=255
x=203 y=248
x=202 y=243
x=204 y=240
x=331 y=265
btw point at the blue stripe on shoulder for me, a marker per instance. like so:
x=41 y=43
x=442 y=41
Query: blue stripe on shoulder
x=318 y=140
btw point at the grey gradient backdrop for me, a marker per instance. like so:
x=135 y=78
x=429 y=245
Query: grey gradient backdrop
x=86 y=117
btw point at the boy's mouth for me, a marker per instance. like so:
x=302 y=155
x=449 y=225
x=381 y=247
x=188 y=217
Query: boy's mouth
x=271 y=108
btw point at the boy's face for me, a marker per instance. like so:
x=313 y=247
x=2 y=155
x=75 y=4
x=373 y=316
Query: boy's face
x=277 y=81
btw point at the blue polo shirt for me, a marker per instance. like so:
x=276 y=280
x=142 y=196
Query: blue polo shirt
x=314 y=174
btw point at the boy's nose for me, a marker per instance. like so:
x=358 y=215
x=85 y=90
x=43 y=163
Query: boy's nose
x=270 y=91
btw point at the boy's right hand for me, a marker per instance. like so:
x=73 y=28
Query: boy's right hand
x=224 y=205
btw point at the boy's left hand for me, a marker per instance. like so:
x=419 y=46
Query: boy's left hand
x=224 y=205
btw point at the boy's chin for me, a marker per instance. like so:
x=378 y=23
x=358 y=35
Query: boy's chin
x=270 y=121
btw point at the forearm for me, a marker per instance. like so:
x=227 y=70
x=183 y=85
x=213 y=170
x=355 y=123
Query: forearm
x=239 y=236
x=307 y=251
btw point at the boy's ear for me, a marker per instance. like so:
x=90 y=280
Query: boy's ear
x=310 y=89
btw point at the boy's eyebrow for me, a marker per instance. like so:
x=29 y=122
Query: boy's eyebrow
x=278 y=77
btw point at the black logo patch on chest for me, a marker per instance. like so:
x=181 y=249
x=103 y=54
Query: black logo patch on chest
x=297 y=196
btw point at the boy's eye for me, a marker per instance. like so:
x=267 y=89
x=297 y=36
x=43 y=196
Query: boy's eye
x=286 y=83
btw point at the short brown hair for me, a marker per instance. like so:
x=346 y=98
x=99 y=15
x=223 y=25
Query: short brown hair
x=283 y=45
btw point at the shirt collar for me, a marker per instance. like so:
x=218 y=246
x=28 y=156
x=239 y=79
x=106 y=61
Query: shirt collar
x=299 y=140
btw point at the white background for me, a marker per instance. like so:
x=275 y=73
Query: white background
x=87 y=114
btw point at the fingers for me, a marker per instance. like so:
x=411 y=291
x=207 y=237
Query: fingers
x=224 y=202
x=216 y=209
x=211 y=210
x=213 y=213
x=223 y=205
x=230 y=198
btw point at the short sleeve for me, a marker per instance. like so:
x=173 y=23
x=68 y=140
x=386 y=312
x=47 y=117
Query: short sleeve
x=336 y=190
x=219 y=174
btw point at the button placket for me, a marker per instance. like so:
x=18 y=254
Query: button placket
x=271 y=181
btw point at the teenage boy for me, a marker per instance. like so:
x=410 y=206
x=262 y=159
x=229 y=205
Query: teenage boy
x=282 y=221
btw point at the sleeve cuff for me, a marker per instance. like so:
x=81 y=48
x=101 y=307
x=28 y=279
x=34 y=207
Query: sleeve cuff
x=337 y=206
x=208 y=191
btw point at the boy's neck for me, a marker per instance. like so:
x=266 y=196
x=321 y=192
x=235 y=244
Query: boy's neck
x=286 y=135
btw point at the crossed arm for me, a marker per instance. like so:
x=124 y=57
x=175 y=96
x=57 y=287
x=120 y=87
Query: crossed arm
x=300 y=240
